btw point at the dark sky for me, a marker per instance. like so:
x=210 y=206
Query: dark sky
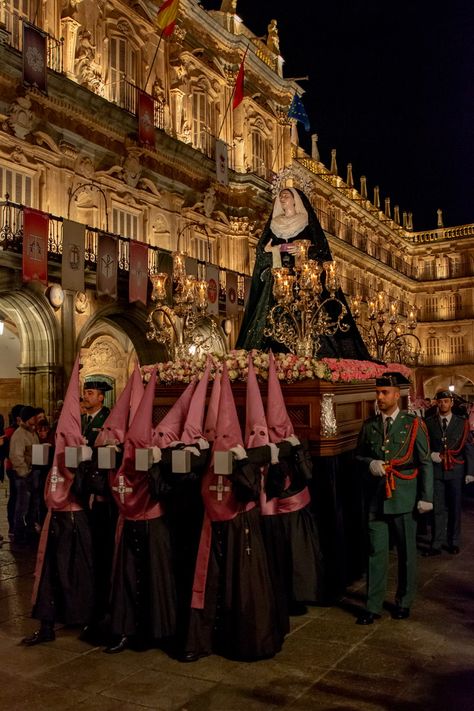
x=391 y=87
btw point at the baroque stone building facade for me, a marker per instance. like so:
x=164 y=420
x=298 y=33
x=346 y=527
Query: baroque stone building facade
x=75 y=153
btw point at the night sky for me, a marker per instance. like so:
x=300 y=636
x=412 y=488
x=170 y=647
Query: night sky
x=391 y=87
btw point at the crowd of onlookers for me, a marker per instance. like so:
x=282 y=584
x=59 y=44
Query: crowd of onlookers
x=26 y=508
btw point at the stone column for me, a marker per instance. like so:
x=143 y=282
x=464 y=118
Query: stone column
x=69 y=28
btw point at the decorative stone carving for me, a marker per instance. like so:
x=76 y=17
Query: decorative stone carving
x=81 y=302
x=69 y=8
x=102 y=353
x=273 y=40
x=84 y=166
x=328 y=417
x=209 y=201
x=229 y=6
x=87 y=71
x=131 y=170
x=21 y=119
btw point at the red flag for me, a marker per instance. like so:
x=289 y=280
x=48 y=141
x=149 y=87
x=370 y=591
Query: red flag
x=138 y=281
x=166 y=18
x=146 y=126
x=239 y=85
x=35 y=245
x=34 y=57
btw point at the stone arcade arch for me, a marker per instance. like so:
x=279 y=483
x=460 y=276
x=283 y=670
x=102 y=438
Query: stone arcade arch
x=41 y=375
x=112 y=339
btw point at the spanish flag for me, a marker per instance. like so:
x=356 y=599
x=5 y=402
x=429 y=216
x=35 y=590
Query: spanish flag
x=166 y=18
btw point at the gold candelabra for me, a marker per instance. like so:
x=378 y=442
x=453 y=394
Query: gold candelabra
x=389 y=336
x=176 y=326
x=301 y=316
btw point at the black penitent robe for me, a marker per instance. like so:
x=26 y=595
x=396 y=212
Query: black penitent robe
x=348 y=344
x=66 y=588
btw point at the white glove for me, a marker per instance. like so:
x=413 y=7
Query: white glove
x=424 y=506
x=436 y=457
x=239 y=452
x=275 y=453
x=156 y=454
x=202 y=443
x=469 y=478
x=175 y=443
x=293 y=440
x=377 y=467
x=193 y=450
x=88 y=454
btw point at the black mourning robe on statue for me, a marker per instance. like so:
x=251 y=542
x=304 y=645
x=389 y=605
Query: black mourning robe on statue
x=347 y=344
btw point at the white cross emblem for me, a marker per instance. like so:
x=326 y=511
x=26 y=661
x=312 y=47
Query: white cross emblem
x=220 y=488
x=121 y=489
x=55 y=479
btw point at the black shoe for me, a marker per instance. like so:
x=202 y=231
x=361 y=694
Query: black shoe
x=367 y=618
x=454 y=550
x=297 y=609
x=190 y=657
x=38 y=637
x=430 y=552
x=121 y=646
x=401 y=613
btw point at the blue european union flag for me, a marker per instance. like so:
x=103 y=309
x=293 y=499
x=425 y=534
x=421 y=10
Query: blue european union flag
x=298 y=112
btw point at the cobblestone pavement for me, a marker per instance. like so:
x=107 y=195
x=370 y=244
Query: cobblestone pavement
x=327 y=662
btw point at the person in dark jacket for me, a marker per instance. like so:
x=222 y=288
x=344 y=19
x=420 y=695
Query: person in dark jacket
x=452 y=453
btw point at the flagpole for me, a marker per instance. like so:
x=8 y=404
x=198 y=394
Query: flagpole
x=231 y=97
x=154 y=60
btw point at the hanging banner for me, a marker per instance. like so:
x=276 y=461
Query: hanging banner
x=212 y=277
x=191 y=266
x=72 y=265
x=146 y=125
x=222 y=163
x=138 y=274
x=247 y=285
x=231 y=304
x=107 y=262
x=35 y=245
x=34 y=57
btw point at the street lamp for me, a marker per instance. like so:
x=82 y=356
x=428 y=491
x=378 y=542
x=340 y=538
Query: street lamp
x=389 y=336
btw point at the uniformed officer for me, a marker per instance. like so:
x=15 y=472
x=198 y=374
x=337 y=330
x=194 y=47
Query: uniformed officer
x=95 y=411
x=394 y=452
x=453 y=459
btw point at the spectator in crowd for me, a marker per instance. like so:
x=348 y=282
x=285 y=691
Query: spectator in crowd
x=20 y=456
x=14 y=421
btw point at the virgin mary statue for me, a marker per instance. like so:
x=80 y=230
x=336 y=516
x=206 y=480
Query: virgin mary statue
x=293 y=219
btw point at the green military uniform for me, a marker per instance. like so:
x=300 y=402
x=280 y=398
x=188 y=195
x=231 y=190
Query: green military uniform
x=391 y=500
x=91 y=429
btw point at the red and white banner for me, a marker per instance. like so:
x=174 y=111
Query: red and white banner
x=107 y=266
x=212 y=277
x=72 y=265
x=146 y=125
x=35 y=245
x=34 y=57
x=231 y=302
x=222 y=163
x=138 y=275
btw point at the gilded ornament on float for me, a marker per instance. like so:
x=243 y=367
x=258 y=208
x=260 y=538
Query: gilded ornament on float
x=306 y=305
x=389 y=336
x=177 y=326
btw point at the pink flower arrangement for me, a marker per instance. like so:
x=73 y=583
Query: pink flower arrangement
x=290 y=368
